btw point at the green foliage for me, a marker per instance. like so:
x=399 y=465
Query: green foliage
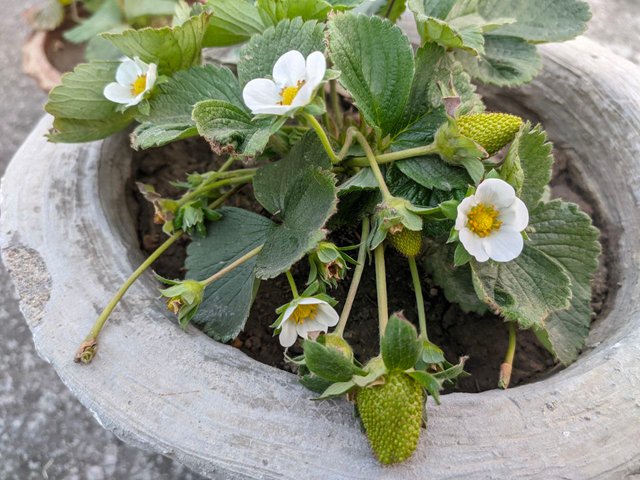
x=48 y=17
x=232 y=22
x=399 y=346
x=171 y=48
x=81 y=111
x=106 y=18
x=171 y=107
x=328 y=363
x=226 y=304
x=258 y=57
x=300 y=190
x=376 y=64
x=431 y=172
x=134 y=9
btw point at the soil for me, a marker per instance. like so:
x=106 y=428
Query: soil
x=481 y=337
x=63 y=55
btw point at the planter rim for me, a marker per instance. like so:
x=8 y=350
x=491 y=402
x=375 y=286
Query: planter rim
x=67 y=245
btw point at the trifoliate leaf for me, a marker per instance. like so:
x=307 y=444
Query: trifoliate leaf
x=258 y=57
x=232 y=22
x=431 y=172
x=562 y=231
x=227 y=302
x=171 y=48
x=377 y=66
x=540 y=20
x=171 y=106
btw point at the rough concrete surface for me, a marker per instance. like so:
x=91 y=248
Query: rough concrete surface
x=44 y=431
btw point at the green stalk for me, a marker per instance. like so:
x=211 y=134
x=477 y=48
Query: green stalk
x=393 y=156
x=292 y=284
x=373 y=163
x=335 y=104
x=417 y=287
x=507 y=365
x=355 y=281
x=233 y=179
x=322 y=135
x=381 y=289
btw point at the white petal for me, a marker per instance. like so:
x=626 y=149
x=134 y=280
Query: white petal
x=288 y=334
x=503 y=245
x=289 y=311
x=289 y=69
x=473 y=244
x=118 y=93
x=327 y=315
x=516 y=216
x=304 y=95
x=273 y=110
x=152 y=76
x=260 y=93
x=463 y=209
x=311 y=326
x=136 y=100
x=311 y=301
x=495 y=192
x=316 y=68
x=127 y=72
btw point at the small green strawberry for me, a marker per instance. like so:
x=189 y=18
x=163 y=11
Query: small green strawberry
x=392 y=416
x=491 y=130
x=407 y=242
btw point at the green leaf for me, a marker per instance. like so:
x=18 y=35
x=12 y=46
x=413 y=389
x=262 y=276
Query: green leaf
x=393 y=9
x=507 y=61
x=99 y=49
x=134 y=9
x=377 y=66
x=227 y=302
x=258 y=57
x=337 y=389
x=232 y=22
x=328 y=363
x=530 y=153
x=400 y=346
x=300 y=190
x=456 y=282
x=539 y=21
x=49 y=17
x=432 y=172
x=401 y=185
x=171 y=106
x=273 y=11
x=363 y=180
x=526 y=290
x=461 y=256
x=430 y=383
x=171 y=48
x=106 y=18
x=431 y=353
x=231 y=129
x=81 y=111
x=566 y=234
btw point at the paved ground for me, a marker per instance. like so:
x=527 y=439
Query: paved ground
x=44 y=431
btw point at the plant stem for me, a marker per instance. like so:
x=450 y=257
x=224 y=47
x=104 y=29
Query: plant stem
x=206 y=187
x=323 y=137
x=393 y=156
x=292 y=284
x=227 y=164
x=507 y=365
x=381 y=289
x=373 y=163
x=422 y=315
x=335 y=104
x=389 y=8
x=232 y=266
x=87 y=349
x=348 y=141
x=355 y=281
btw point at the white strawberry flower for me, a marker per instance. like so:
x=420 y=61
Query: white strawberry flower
x=134 y=79
x=303 y=316
x=490 y=222
x=294 y=83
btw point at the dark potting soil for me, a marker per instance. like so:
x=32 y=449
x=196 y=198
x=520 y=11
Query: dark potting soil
x=481 y=337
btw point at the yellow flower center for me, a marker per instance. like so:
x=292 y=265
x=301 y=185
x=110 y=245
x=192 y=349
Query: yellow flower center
x=304 y=312
x=483 y=219
x=138 y=85
x=288 y=94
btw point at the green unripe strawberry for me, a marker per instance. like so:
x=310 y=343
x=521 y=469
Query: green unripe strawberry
x=407 y=242
x=336 y=342
x=392 y=416
x=491 y=130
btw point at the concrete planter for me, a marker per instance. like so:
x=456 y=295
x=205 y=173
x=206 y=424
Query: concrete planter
x=68 y=242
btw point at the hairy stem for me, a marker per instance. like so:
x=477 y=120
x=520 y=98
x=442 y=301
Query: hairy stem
x=373 y=163
x=417 y=287
x=335 y=104
x=232 y=266
x=381 y=289
x=292 y=284
x=507 y=365
x=393 y=156
x=355 y=281
x=322 y=135
x=231 y=178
